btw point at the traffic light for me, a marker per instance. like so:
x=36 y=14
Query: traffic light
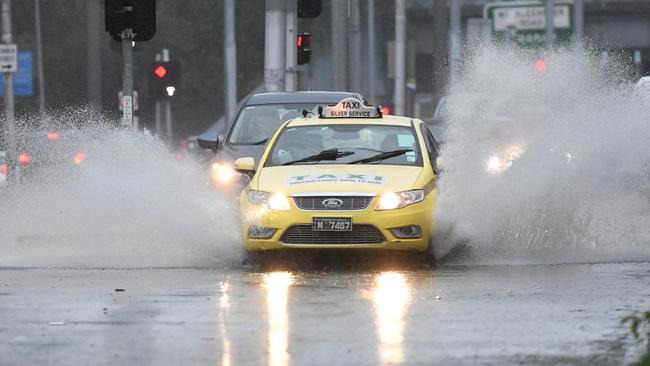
x=165 y=76
x=137 y=15
x=540 y=65
x=304 y=48
x=309 y=8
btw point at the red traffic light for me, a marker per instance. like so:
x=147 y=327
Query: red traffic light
x=304 y=40
x=540 y=65
x=160 y=71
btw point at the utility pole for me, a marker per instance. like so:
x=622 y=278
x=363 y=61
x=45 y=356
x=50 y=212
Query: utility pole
x=455 y=14
x=39 y=59
x=339 y=28
x=549 y=9
x=578 y=21
x=440 y=46
x=372 y=85
x=167 y=104
x=93 y=53
x=355 y=46
x=230 y=50
x=291 y=49
x=399 y=97
x=127 y=75
x=158 y=108
x=14 y=171
x=274 y=45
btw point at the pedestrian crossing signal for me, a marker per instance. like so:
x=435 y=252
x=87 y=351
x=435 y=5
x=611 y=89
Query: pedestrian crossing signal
x=304 y=48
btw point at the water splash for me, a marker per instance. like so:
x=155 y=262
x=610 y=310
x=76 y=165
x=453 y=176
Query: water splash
x=130 y=203
x=578 y=190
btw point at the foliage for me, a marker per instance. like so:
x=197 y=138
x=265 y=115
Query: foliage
x=640 y=328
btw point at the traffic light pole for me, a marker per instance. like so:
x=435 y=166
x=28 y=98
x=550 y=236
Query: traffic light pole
x=230 y=51
x=274 y=45
x=14 y=171
x=291 y=50
x=127 y=78
x=371 y=52
x=400 y=57
x=549 y=8
x=167 y=104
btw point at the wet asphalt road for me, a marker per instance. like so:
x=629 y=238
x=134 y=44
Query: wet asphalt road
x=449 y=315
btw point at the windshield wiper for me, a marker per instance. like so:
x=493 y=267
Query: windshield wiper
x=329 y=154
x=382 y=156
x=259 y=142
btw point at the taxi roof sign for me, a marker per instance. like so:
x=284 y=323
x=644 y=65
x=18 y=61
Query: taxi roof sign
x=349 y=108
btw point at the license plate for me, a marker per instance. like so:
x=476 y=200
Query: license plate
x=332 y=224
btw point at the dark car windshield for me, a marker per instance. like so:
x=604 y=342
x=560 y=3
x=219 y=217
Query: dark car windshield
x=346 y=144
x=256 y=123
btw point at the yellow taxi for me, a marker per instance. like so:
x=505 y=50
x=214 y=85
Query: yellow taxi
x=348 y=177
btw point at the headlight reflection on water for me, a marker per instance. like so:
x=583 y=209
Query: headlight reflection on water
x=277 y=294
x=391 y=297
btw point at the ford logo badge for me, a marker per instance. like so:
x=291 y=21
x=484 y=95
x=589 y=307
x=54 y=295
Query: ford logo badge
x=332 y=203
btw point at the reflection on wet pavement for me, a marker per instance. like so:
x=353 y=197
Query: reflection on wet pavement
x=277 y=285
x=390 y=300
x=224 y=306
x=492 y=315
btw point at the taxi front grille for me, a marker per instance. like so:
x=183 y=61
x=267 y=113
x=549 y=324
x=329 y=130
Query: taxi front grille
x=360 y=234
x=346 y=203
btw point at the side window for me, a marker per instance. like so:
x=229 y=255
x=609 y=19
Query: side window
x=432 y=145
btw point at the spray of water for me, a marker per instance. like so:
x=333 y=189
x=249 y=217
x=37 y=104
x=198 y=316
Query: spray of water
x=129 y=203
x=545 y=167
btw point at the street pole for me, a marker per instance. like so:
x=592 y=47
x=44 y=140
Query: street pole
x=157 y=108
x=400 y=53
x=167 y=104
x=291 y=49
x=274 y=45
x=578 y=22
x=372 y=94
x=440 y=46
x=355 y=47
x=339 y=28
x=549 y=9
x=9 y=99
x=127 y=77
x=93 y=53
x=230 y=50
x=39 y=60
x=455 y=14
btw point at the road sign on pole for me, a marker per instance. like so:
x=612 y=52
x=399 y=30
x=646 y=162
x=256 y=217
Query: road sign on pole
x=8 y=58
x=23 y=78
x=524 y=22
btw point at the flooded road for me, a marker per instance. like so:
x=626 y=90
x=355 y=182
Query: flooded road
x=467 y=315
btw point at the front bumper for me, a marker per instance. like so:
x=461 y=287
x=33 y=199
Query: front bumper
x=381 y=222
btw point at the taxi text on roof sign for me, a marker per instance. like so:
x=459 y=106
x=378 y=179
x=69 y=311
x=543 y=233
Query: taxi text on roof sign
x=350 y=108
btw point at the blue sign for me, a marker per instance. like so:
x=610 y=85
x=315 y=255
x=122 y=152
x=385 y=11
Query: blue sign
x=23 y=80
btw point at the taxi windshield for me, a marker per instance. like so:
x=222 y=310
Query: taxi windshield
x=257 y=123
x=346 y=144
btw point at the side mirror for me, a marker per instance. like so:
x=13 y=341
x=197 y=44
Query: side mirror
x=245 y=166
x=208 y=144
x=439 y=166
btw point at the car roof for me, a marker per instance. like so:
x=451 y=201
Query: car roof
x=331 y=97
x=386 y=120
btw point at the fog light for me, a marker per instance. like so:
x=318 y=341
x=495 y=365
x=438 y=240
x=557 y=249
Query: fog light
x=407 y=232
x=260 y=232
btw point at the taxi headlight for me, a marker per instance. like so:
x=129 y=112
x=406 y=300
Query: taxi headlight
x=277 y=201
x=392 y=201
x=258 y=197
x=222 y=173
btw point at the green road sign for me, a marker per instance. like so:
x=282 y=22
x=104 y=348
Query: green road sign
x=524 y=22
